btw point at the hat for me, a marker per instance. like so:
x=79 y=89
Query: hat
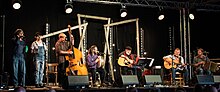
x=128 y=47
x=62 y=35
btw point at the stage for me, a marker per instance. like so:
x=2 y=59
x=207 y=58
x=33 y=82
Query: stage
x=101 y=89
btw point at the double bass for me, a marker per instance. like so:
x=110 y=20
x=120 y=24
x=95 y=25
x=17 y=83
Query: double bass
x=76 y=67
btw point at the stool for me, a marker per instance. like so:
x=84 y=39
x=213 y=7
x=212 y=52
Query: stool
x=90 y=79
x=179 y=79
x=51 y=68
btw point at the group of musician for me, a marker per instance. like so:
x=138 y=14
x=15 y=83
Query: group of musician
x=176 y=63
x=65 y=49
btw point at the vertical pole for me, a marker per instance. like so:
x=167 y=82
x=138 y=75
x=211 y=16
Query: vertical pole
x=137 y=37
x=181 y=31
x=47 y=59
x=171 y=41
x=3 y=42
x=189 y=52
x=142 y=41
x=47 y=43
x=84 y=44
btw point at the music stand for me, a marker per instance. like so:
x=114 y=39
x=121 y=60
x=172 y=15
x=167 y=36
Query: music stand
x=145 y=61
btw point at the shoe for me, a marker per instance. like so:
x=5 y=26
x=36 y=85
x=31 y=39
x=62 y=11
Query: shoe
x=104 y=85
x=15 y=86
x=41 y=85
x=96 y=84
x=37 y=85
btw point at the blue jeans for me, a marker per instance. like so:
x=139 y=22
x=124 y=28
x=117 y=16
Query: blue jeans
x=201 y=71
x=39 y=71
x=19 y=70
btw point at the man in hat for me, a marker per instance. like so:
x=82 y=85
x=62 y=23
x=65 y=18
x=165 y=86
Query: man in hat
x=127 y=60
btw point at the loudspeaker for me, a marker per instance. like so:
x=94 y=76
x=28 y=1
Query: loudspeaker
x=77 y=81
x=216 y=78
x=157 y=70
x=130 y=80
x=153 y=79
x=205 y=79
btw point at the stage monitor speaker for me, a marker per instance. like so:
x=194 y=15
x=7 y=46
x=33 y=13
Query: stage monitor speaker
x=130 y=80
x=153 y=79
x=205 y=79
x=216 y=78
x=78 y=81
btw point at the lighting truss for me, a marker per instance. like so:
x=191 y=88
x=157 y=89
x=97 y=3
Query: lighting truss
x=158 y=3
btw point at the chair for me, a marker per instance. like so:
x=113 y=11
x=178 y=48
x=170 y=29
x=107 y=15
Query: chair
x=91 y=82
x=51 y=68
x=179 y=79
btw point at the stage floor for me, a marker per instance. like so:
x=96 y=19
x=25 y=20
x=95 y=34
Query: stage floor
x=101 y=89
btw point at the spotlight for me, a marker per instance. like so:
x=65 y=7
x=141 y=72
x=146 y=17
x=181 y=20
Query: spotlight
x=161 y=14
x=69 y=8
x=191 y=16
x=161 y=17
x=123 y=11
x=16 y=4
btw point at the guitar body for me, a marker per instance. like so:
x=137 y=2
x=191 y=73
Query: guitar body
x=123 y=62
x=168 y=63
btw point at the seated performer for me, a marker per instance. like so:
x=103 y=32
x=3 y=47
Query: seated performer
x=93 y=59
x=128 y=64
x=127 y=61
x=199 y=62
x=176 y=63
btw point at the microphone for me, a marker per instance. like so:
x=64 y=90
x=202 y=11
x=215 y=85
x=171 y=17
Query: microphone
x=100 y=53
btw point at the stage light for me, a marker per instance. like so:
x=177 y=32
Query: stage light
x=161 y=17
x=68 y=8
x=191 y=16
x=123 y=10
x=16 y=4
x=161 y=14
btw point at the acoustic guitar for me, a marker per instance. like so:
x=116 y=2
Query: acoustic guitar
x=168 y=63
x=124 y=61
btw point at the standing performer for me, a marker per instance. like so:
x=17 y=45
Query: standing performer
x=62 y=49
x=38 y=48
x=19 y=50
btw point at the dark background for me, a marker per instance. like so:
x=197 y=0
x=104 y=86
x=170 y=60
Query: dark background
x=34 y=14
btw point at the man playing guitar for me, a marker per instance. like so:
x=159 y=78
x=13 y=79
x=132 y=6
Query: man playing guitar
x=127 y=61
x=176 y=63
